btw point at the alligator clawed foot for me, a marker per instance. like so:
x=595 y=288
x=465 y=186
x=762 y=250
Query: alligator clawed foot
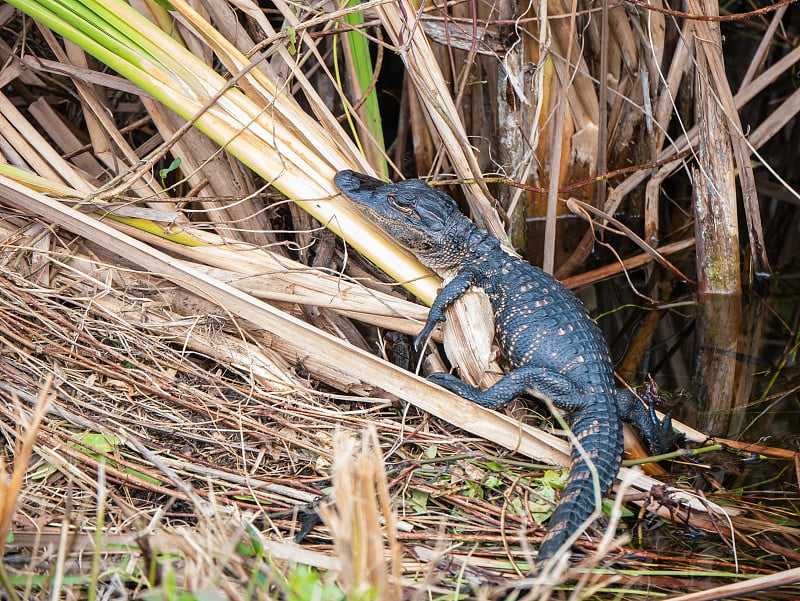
x=665 y=437
x=422 y=338
x=454 y=384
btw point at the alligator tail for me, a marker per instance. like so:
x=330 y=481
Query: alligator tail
x=599 y=432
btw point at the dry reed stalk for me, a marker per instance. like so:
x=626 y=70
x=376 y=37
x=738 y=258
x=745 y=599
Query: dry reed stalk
x=269 y=276
x=259 y=271
x=361 y=521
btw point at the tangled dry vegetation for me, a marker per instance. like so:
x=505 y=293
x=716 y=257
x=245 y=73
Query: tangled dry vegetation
x=190 y=361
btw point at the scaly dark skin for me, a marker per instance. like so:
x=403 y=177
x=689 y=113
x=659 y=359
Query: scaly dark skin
x=554 y=347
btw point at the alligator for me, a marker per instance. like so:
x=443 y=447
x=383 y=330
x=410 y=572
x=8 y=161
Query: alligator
x=554 y=348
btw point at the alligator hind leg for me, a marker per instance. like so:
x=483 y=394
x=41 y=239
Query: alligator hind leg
x=657 y=434
x=563 y=391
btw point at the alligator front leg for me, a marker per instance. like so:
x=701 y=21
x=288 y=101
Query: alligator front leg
x=451 y=292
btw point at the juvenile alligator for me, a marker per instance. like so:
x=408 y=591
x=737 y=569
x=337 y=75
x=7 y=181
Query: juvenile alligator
x=555 y=349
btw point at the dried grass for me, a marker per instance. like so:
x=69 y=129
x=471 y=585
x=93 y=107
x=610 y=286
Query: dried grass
x=187 y=362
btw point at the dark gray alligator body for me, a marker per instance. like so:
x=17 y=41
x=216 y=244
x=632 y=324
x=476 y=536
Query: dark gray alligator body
x=554 y=347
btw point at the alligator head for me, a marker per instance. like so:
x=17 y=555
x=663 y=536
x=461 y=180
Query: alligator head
x=423 y=219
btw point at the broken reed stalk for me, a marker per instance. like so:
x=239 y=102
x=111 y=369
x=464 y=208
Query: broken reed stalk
x=361 y=521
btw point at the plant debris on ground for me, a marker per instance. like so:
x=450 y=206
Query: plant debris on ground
x=195 y=373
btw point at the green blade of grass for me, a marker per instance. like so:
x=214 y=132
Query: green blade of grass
x=362 y=64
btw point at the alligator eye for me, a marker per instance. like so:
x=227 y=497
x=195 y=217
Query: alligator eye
x=401 y=203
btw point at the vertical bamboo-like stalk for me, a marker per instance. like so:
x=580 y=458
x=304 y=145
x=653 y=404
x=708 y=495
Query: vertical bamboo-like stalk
x=717 y=234
x=514 y=122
